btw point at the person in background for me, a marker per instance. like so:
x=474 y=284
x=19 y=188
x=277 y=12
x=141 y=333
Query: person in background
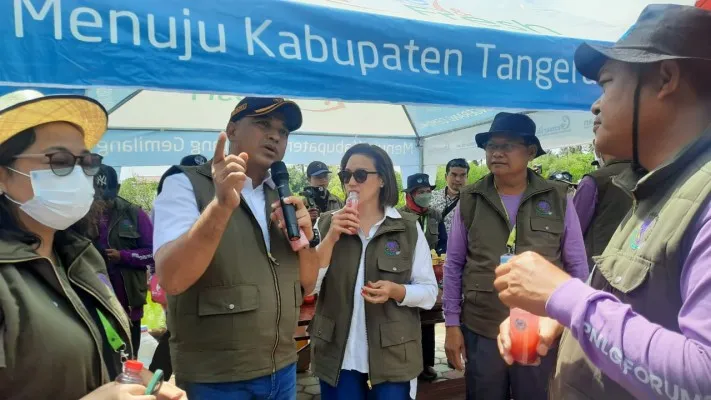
x=234 y=283
x=511 y=210
x=161 y=357
x=565 y=177
x=600 y=204
x=193 y=160
x=445 y=199
x=640 y=328
x=418 y=196
x=365 y=332
x=126 y=240
x=58 y=311
x=318 y=198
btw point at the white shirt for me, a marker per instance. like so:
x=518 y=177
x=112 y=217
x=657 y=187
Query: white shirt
x=420 y=292
x=176 y=210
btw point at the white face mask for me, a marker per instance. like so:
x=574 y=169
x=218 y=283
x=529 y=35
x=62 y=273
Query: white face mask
x=59 y=201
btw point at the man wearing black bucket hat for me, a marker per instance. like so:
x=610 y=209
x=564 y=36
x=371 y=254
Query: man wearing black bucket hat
x=640 y=327
x=234 y=284
x=509 y=211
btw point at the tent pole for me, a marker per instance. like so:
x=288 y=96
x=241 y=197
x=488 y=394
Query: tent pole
x=420 y=141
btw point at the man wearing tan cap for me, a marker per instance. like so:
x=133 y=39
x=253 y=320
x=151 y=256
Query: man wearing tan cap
x=234 y=283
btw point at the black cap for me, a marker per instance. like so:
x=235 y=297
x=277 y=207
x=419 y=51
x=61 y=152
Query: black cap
x=662 y=32
x=317 y=168
x=516 y=124
x=106 y=182
x=562 y=176
x=193 y=160
x=263 y=106
x=417 y=181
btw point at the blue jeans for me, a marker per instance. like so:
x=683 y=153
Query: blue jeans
x=488 y=377
x=278 y=386
x=353 y=385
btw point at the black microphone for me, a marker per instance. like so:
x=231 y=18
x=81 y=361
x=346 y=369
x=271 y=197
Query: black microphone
x=280 y=176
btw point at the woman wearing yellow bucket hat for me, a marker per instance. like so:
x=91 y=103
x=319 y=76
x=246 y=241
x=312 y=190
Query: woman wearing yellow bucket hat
x=59 y=319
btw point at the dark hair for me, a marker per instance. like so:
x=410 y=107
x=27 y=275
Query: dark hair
x=10 y=227
x=389 y=193
x=457 y=163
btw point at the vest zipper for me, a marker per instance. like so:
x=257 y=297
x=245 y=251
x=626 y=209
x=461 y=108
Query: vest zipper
x=365 y=325
x=272 y=264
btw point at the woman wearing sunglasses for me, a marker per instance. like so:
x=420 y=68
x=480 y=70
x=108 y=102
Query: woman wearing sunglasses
x=63 y=333
x=378 y=273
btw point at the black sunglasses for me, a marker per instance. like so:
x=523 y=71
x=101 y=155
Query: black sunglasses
x=62 y=162
x=360 y=175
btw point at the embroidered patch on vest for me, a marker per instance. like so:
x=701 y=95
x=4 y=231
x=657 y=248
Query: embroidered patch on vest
x=544 y=208
x=640 y=234
x=392 y=248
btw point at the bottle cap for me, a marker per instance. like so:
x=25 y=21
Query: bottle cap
x=133 y=365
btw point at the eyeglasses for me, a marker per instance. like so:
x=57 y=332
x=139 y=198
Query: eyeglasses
x=62 y=162
x=360 y=175
x=503 y=147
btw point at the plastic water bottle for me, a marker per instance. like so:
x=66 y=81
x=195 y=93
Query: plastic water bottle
x=131 y=373
x=352 y=200
x=148 y=346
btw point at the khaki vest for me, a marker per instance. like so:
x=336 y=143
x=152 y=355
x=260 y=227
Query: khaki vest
x=123 y=235
x=641 y=265
x=237 y=321
x=394 y=338
x=540 y=223
x=612 y=205
x=31 y=367
x=431 y=230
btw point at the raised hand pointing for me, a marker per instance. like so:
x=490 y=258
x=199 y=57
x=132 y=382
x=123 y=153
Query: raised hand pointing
x=228 y=174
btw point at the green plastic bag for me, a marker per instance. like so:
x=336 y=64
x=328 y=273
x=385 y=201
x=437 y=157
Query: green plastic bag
x=153 y=314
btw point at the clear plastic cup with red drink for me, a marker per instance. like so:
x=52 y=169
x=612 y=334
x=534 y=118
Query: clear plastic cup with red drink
x=523 y=331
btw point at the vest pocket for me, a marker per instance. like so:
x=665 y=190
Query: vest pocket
x=394 y=340
x=322 y=327
x=554 y=226
x=623 y=273
x=395 y=268
x=228 y=300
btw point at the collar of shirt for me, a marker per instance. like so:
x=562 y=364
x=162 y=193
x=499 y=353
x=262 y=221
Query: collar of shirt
x=249 y=185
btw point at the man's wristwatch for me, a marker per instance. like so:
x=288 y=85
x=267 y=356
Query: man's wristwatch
x=316 y=239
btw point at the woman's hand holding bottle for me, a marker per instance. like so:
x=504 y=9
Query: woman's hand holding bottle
x=343 y=222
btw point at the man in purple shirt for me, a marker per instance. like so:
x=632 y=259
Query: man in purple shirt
x=126 y=240
x=640 y=327
x=511 y=207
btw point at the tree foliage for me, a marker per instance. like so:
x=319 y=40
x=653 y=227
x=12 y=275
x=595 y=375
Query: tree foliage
x=576 y=160
x=139 y=191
